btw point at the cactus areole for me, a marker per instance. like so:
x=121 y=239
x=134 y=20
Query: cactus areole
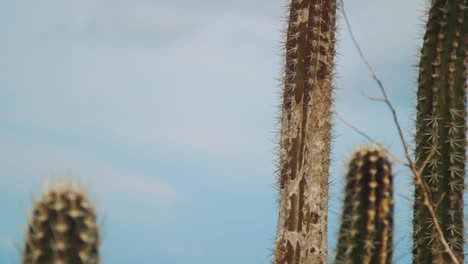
x=306 y=133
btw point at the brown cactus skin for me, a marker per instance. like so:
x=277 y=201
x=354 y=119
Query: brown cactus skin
x=441 y=129
x=306 y=133
x=366 y=233
x=62 y=229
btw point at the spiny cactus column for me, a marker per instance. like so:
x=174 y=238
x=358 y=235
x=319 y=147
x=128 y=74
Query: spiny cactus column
x=441 y=129
x=306 y=133
x=62 y=229
x=366 y=234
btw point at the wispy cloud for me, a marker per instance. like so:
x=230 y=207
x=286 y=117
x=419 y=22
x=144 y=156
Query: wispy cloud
x=130 y=95
x=29 y=165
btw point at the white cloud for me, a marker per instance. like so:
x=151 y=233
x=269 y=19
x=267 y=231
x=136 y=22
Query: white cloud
x=29 y=165
x=208 y=92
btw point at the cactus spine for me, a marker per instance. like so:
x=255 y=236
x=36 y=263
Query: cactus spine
x=366 y=234
x=63 y=229
x=306 y=133
x=441 y=130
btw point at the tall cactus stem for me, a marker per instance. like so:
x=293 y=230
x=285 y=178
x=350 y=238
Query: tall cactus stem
x=441 y=131
x=62 y=229
x=306 y=133
x=366 y=234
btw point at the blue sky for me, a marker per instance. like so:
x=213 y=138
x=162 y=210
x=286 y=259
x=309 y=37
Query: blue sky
x=166 y=110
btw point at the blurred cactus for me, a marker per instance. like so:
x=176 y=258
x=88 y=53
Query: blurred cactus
x=306 y=133
x=62 y=229
x=366 y=234
x=441 y=131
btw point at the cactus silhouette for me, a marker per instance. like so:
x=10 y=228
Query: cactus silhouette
x=62 y=229
x=306 y=133
x=441 y=130
x=366 y=233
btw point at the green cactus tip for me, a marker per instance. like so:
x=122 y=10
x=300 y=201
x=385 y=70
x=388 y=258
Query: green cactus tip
x=366 y=234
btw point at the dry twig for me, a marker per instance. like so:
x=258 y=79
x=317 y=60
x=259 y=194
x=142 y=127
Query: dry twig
x=372 y=140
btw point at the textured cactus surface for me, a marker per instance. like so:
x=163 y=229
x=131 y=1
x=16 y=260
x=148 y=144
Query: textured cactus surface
x=62 y=229
x=366 y=233
x=305 y=133
x=441 y=130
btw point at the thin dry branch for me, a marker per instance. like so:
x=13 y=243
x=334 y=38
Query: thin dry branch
x=417 y=175
x=369 y=138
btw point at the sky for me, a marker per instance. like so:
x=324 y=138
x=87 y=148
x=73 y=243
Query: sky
x=166 y=111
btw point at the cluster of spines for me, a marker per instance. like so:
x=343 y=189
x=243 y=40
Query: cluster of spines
x=441 y=130
x=62 y=229
x=306 y=132
x=366 y=233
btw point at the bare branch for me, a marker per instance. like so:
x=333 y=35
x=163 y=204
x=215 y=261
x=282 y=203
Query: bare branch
x=373 y=98
x=369 y=138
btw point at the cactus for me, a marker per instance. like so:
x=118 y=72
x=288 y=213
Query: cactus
x=62 y=229
x=366 y=234
x=306 y=133
x=441 y=131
